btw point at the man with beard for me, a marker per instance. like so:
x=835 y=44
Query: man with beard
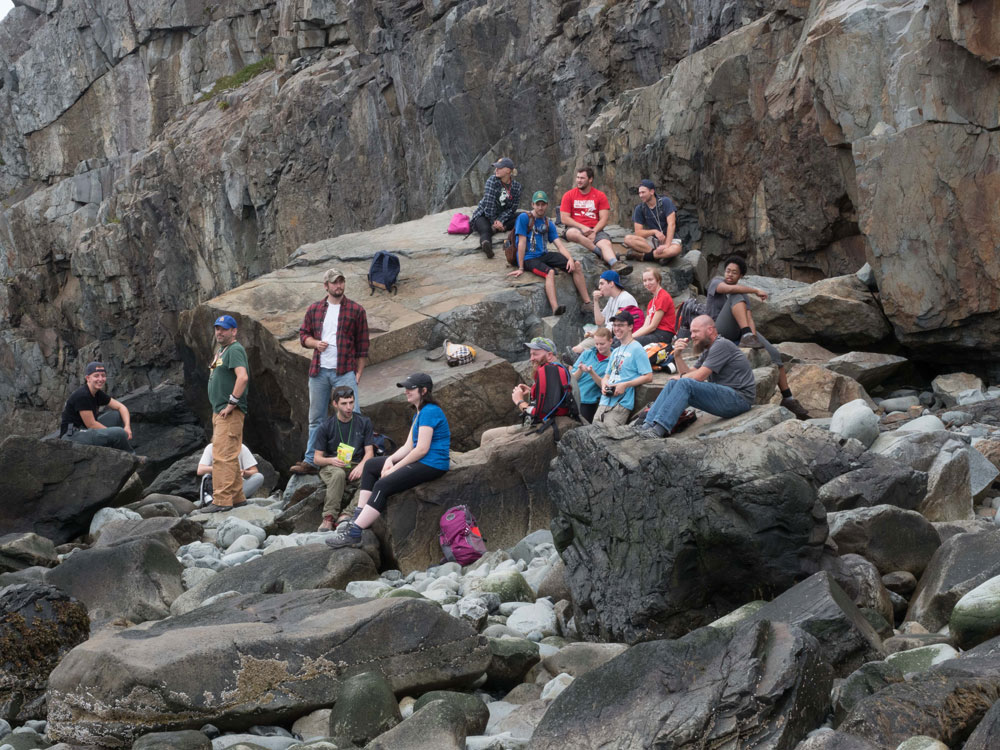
x=336 y=328
x=721 y=382
x=585 y=211
x=228 y=384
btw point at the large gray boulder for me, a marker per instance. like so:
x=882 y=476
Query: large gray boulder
x=660 y=535
x=946 y=701
x=53 y=487
x=868 y=368
x=257 y=659
x=503 y=482
x=763 y=684
x=960 y=564
x=171 y=532
x=312 y=566
x=38 y=626
x=24 y=550
x=163 y=426
x=133 y=582
x=878 y=480
x=892 y=538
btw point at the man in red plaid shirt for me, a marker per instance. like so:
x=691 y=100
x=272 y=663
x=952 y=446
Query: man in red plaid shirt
x=336 y=329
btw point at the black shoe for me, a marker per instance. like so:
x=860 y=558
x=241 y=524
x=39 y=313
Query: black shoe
x=213 y=508
x=792 y=404
x=487 y=247
x=559 y=310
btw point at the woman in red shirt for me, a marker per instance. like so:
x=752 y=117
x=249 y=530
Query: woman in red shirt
x=661 y=320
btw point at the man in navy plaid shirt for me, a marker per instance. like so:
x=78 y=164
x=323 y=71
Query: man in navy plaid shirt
x=336 y=329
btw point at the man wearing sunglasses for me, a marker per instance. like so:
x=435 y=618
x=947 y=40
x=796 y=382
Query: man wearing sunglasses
x=228 y=385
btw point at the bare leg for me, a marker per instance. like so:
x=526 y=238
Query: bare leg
x=637 y=243
x=782 y=379
x=575 y=235
x=607 y=252
x=581 y=285
x=670 y=251
x=368 y=515
x=550 y=290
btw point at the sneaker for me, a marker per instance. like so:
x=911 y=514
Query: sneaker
x=623 y=268
x=636 y=255
x=487 y=247
x=750 y=341
x=653 y=430
x=559 y=310
x=350 y=537
x=213 y=508
x=792 y=404
x=303 y=467
x=327 y=524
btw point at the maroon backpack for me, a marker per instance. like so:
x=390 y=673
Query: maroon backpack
x=461 y=540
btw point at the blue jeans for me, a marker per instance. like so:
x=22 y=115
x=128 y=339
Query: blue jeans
x=677 y=395
x=320 y=388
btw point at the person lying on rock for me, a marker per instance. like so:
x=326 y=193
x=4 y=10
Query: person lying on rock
x=613 y=295
x=629 y=368
x=593 y=363
x=336 y=329
x=661 y=318
x=721 y=382
x=534 y=231
x=344 y=444
x=654 y=221
x=252 y=478
x=728 y=304
x=82 y=421
x=585 y=211
x=422 y=458
x=497 y=209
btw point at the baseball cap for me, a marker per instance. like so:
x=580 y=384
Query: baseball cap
x=648 y=184
x=416 y=380
x=332 y=275
x=613 y=277
x=504 y=162
x=539 y=195
x=225 y=321
x=623 y=316
x=540 y=342
x=93 y=367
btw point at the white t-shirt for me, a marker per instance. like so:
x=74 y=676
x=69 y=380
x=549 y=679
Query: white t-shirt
x=245 y=458
x=328 y=358
x=624 y=299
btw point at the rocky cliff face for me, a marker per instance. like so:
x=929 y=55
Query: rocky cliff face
x=138 y=185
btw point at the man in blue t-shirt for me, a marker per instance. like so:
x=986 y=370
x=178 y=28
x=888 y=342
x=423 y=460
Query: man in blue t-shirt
x=655 y=223
x=628 y=368
x=534 y=231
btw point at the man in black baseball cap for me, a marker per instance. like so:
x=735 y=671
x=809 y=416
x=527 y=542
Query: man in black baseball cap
x=80 y=420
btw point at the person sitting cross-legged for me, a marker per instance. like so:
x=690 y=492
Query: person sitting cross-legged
x=721 y=383
x=422 y=458
x=344 y=444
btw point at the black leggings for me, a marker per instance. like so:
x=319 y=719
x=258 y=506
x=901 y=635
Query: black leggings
x=484 y=227
x=401 y=479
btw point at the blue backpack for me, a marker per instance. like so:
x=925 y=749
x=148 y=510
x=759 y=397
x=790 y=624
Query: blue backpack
x=383 y=271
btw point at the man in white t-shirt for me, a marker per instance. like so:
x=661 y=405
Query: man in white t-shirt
x=336 y=329
x=252 y=478
x=610 y=293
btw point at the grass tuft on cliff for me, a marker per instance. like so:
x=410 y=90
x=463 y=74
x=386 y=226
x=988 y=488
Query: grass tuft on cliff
x=238 y=78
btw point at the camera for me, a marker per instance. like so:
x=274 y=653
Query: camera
x=609 y=391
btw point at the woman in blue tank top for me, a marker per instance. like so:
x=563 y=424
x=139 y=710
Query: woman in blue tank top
x=422 y=457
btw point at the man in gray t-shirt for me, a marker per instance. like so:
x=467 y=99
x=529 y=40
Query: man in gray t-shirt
x=721 y=382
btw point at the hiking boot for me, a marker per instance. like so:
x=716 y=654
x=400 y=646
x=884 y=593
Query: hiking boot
x=623 y=268
x=792 y=404
x=487 y=247
x=637 y=255
x=349 y=537
x=653 y=430
x=327 y=524
x=750 y=341
x=303 y=467
x=559 y=310
x=213 y=508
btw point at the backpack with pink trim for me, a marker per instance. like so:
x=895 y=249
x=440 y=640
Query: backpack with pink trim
x=461 y=540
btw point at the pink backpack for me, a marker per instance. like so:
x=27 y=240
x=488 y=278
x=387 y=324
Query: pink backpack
x=459 y=224
x=638 y=317
x=461 y=540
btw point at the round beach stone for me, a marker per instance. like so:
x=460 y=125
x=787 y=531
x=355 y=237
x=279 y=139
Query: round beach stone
x=976 y=616
x=855 y=420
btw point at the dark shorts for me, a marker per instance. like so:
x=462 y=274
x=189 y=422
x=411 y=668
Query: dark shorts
x=544 y=263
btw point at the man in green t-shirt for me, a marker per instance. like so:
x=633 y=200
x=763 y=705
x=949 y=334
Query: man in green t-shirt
x=227 y=392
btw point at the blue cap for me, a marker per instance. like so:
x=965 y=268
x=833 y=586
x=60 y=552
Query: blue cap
x=648 y=184
x=228 y=321
x=613 y=277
